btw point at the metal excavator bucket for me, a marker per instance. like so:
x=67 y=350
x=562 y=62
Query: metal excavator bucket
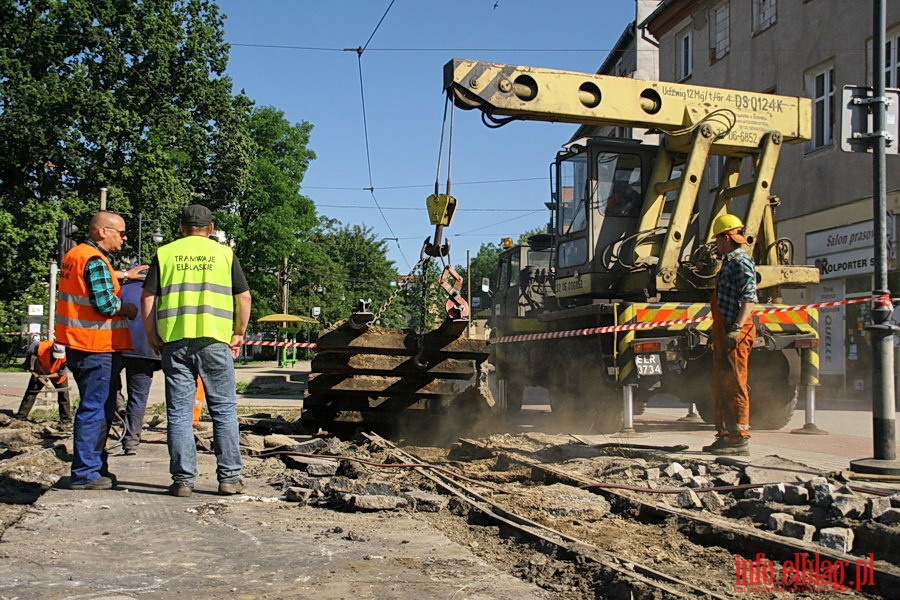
x=365 y=376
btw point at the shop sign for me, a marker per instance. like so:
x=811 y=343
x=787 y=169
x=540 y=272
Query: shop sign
x=847 y=250
x=831 y=327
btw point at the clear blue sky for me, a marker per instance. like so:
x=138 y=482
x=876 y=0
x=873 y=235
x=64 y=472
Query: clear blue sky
x=500 y=177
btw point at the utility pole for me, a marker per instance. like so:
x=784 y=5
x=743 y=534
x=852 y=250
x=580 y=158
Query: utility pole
x=103 y=198
x=285 y=287
x=883 y=330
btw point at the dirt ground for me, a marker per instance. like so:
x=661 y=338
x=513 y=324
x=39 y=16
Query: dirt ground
x=259 y=546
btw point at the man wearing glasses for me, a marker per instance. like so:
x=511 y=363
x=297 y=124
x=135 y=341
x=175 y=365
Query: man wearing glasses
x=92 y=323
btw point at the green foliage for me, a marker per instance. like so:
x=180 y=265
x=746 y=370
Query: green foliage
x=484 y=264
x=270 y=221
x=102 y=93
x=352 y=266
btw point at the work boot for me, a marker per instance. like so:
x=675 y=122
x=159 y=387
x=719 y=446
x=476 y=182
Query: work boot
x=101 y=483
x=716 y=444
x=111 y=476
x=130 y=451
x=180 y=490
x=739 y=448
x=228 y=489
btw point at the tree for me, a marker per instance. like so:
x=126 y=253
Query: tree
x=271 y=220
x=354 y=267
x=483 y=265
x=102 y=93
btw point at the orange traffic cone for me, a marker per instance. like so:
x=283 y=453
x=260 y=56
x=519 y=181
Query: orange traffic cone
x=199 y=397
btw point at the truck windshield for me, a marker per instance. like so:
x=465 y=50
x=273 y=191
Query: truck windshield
x=619 y=189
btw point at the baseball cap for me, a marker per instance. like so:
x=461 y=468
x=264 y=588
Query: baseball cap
x=196 y=215
x=58 y=351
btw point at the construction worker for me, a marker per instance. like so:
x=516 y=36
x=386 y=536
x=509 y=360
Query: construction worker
x=92 y=323
x=733 y=333
x=196 y=307
x=47 y=363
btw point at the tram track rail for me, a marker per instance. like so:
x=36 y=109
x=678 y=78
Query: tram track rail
x=700 y=528
x=623 y=578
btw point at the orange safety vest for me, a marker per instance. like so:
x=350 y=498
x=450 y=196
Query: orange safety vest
x=78 y=324
x=46 y=364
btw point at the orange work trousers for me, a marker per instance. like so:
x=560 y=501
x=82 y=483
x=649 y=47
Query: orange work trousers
x=730 y=390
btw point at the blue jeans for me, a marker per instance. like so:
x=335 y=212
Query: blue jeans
x=93 y=372
x=183 y=361
x=138 y=377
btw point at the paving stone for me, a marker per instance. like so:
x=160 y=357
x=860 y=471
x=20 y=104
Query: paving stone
x=683 y=476
x=796 y=495
x=699 y=470
x=890 y=517
x=798 y=530
x=754 y=493
x=713 y=502
x=339 y=485
x=877 y=506
x=673 y=469
x=697 y=482
x=425 y=502
x=837 y=538
x=773 y=492
x=297 y=494
x=820 y=491
x=363 y=502
x=563 y=500
x=847 y=505
x=354 y=469
x=651 y=474
x=688 y=499
x=727 y=478
x=318 y=467
x=777 y=520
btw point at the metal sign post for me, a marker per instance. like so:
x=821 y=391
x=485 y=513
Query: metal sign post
x=882 y=328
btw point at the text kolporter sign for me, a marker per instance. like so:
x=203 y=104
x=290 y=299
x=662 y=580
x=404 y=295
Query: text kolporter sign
x=847 y=250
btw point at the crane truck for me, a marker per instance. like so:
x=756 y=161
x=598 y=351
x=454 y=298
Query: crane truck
x=614 y=298
x=610 y=303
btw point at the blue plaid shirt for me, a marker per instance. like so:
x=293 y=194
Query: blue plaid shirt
x=735 y=285
x=100 y=284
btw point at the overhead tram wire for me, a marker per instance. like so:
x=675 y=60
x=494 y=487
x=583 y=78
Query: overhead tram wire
x=362 y=94
x=424 y=185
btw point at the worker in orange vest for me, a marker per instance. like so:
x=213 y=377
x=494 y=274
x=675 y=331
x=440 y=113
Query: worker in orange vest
x=47 y=363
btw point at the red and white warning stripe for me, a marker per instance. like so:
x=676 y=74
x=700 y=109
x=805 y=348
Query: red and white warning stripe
x=530 y=337
x=280 y=344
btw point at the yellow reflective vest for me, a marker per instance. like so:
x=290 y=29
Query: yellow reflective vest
x=195 y=298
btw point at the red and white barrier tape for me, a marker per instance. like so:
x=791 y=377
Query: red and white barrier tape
x=286 y=344
x=883 y=301
x=530 y=337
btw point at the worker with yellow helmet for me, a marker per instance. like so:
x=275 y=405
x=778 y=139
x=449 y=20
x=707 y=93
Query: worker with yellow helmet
x=733 y=333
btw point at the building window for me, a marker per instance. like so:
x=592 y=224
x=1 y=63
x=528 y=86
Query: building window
x=685 y=53
x=892 y=61
x=821 y=85
x=719 y=38
x=764 y=14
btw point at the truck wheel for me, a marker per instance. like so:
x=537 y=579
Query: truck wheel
x=773 y=391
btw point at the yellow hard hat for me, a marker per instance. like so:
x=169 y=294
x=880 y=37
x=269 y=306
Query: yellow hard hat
x=725 y=223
